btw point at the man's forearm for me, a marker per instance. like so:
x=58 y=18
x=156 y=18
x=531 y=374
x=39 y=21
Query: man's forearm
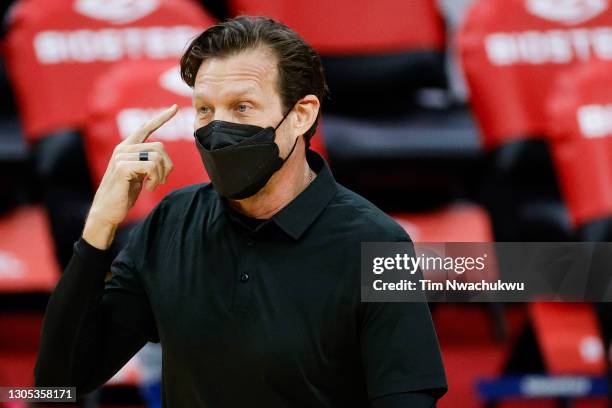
x=79 y=291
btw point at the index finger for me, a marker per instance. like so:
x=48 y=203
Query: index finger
x=151 y=125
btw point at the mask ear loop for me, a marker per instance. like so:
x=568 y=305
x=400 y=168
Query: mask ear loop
x=292 y=149
x=283 y=119
x=296 y=139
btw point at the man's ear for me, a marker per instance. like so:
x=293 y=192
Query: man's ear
x=306 y=111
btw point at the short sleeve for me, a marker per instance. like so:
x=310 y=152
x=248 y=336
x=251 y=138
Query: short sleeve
x=399 y=348
x=125 y=297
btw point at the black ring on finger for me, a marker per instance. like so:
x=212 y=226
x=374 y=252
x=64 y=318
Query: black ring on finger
x=143 y=156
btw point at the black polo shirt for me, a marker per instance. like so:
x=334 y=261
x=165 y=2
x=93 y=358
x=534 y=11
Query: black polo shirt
x=268 y=313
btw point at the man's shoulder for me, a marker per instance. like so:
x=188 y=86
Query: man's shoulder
x=187 y=192
x=178 y=200
x=364 y=219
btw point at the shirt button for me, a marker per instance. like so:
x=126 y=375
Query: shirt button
x=244 y=278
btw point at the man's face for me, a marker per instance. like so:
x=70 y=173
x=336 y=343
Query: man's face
x=242 y=88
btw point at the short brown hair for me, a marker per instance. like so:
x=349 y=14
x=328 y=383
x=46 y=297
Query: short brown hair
x=300 y=71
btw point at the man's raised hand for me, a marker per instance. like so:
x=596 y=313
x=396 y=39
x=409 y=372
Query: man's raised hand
x=124 y=178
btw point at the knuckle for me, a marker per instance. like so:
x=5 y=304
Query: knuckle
x=137 y=135
x=120 y=156
x=121 y=167
x=145 y=125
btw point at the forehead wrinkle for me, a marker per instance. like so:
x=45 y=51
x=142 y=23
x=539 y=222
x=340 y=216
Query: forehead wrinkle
x=244 y=72
x=237 y=69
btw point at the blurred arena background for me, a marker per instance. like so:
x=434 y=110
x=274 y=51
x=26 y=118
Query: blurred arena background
x=466 y=120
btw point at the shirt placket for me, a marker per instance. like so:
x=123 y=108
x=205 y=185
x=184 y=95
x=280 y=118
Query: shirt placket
x=245 y=274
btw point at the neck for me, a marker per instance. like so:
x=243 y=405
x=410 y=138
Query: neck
x=286 y=184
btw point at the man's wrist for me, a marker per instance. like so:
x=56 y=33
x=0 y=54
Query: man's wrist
x=98 y=233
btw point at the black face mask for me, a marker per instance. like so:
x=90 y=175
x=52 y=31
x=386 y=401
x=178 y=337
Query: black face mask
x=240 y=159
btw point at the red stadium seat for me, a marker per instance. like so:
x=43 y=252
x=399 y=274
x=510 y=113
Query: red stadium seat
x=56 y=49
x=27 y=263
x=348 y=27
x=454 y=223
x=569 y=338
x=580 y=129
x=512 y=51
x=121 y=101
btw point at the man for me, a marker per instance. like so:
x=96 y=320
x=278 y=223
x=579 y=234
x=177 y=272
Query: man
x=251 y=284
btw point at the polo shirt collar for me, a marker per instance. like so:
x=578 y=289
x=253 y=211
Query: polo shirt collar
x=299 y=214
x=295 y=218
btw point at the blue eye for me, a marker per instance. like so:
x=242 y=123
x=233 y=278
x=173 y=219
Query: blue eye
x=242 y=108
